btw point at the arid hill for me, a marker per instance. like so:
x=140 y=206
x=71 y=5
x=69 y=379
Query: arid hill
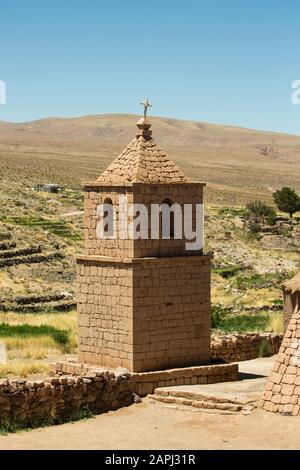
x=238 y=164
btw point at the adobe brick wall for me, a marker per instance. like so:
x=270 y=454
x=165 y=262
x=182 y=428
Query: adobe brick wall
x=243 y=347
x=93 y=197
x=34 y=401
x=171 y=320
x=137 y=193
x=105 y=313
x=146 y=382
x=144 y=314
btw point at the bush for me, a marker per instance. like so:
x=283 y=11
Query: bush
x=264 y=349
x=227 y=271
x=271 y=218
x=254 y=228
x=217 y=315
x=260 y=210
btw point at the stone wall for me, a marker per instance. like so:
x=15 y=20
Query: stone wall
x=105 y=313
x=172 y=313
x=57 y=398
x=238 y=347
x=146 y=382
x=144 y=314
x=137 y=193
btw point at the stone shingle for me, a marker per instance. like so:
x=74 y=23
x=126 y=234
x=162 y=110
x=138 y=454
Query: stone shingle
x=287 y=374
x=143 y=161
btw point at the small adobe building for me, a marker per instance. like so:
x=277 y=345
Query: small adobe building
x=143 y=304
x=282 y=391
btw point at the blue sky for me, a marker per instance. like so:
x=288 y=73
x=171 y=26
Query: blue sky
x=220 y=61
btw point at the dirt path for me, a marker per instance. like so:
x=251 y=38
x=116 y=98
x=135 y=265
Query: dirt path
x=156 y=426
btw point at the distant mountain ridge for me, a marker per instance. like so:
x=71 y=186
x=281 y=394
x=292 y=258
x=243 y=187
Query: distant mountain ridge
x=121 y=127
x=237 y=163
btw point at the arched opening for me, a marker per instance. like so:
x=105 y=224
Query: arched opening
x=167 y=219
x=108 y=216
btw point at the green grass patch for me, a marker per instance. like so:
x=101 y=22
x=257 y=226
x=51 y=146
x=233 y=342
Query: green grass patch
x=60 y=228
x=243 y=323
x=222 y=319
x=227 y=271
x=232 y=211
x=278 y=302
x=61 y=337
x=15 y=427
x=260 y=281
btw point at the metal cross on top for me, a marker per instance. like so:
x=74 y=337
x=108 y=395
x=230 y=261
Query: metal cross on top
x=146 y=105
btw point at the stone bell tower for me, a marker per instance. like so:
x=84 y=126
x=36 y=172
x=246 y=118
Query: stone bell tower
x=143 y=304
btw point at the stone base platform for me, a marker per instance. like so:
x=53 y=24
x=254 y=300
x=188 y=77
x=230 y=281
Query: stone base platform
x=146 y=382
x=228 y=397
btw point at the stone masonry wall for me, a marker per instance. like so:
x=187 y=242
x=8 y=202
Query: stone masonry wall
x=105 y=310
x=144 y=314
x=171 y=321
x=146 y=382
x=93 y=197
x=137 y=193
x=57 y=398
x=238 y=347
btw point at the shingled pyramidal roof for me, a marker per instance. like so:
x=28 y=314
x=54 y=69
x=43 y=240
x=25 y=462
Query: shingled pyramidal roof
x=143 y=162
x=282 y=392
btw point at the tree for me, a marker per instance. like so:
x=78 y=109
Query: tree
x=287 y=200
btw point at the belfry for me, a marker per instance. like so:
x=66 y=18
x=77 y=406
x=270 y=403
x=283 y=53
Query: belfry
x=143 y=303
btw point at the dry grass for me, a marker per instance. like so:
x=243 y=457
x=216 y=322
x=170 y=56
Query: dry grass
x=259 y=298
x=275 y=323
x=28 y=355
x=225 y=297
x=23 y=369
x=63 y=321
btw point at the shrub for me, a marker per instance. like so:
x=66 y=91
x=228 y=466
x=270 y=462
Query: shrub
x=217 y=315
x=261 y=211
x=227 y=271
x=264 y=349
x=254 y=228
